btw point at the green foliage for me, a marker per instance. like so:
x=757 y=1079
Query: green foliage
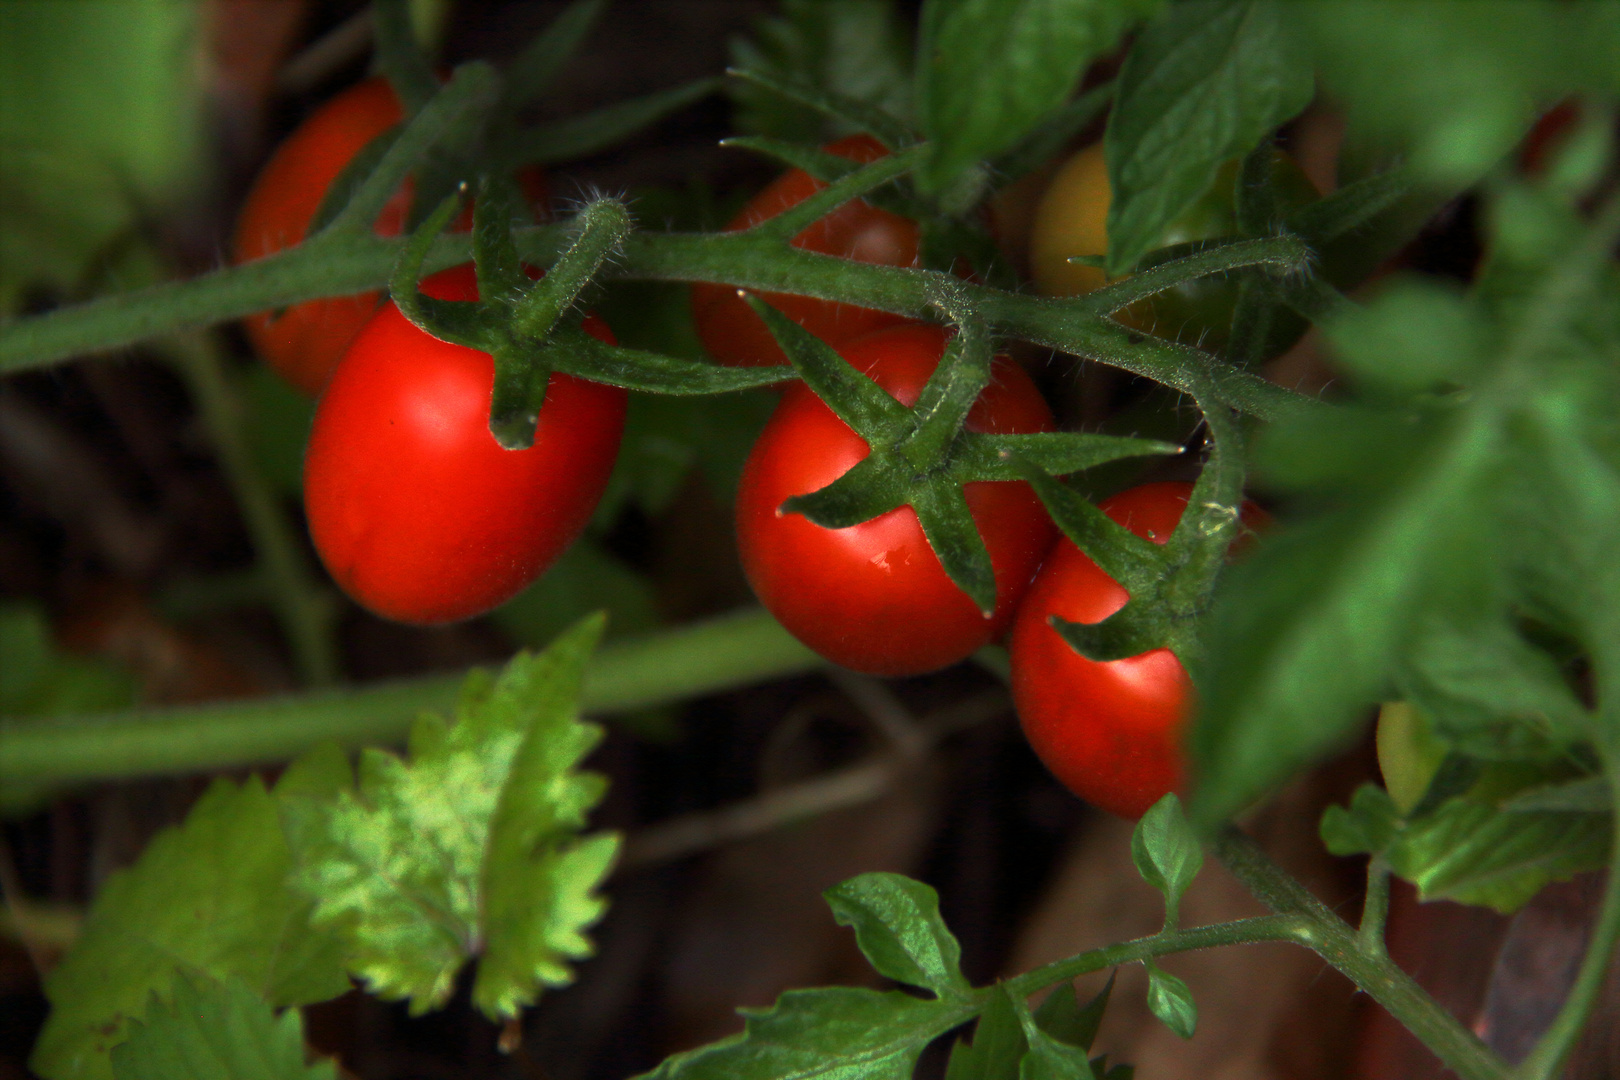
x=417 y=866
x=1202 y=85
x=210 y=896
x=989 y=71
x=37 y=679
x=216 y=1031
x=278 y=420
x=897 y=924
x=1171 y=1001
x=100 y=124
x=858 y=49
x=585 y=579
x=1166 y=853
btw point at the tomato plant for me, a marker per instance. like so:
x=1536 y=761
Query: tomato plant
x=873 y=597
x=415 y=509
x=731 y=331
x=1111 y=731
x=303 y=342
x=1071 y=219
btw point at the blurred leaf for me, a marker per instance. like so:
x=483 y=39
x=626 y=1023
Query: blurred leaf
x=101 y=123
x=1166 y=852
x=600 y=129
x=991 y=70
x=856 y=48
x=1418 y=334
x=1366 y=827
x=897 y=924
x=38 y=680
x=1588 y=795
x=1470 y=74
x=1202 y=85
x=833 y=1033
x=1171 y=1001
x=535 y=68
x=216 y=1031
x=209 y=896
x=585 y=579
x=422 y=863
x=278 y=422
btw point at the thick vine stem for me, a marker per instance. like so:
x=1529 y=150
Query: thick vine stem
x=700 y=658
x=1324 y=933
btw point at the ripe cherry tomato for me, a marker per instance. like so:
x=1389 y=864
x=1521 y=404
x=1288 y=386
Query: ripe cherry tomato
x=1072 y=219
x=415 y=509
x=731 y=330
x=304 y=342
x=1109 y=731
x=873 y=597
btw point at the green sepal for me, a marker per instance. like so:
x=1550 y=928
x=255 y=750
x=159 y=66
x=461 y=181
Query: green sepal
x=459 y=321
x=1131 y=631
x=946 y=521
x=1135 y=563
x=855 y=399
x=1178 y=264
x=600 y=129
x=350 y=180
x=853 y=185
x=542 y=59
x=826 y=167
x=1350 y=207
x=979 y=456
x=573 y=351
x=861 y=494
x=947 y=397
x=601 y=228
x=885 y=128
x=495 y=257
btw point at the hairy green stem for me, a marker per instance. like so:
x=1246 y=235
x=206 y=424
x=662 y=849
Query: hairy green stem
x=1327 y=935
x=700 y=658
x=300 y=602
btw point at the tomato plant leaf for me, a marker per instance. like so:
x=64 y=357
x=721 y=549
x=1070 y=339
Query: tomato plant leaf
x=832 y=1033
x=1057 y=130
x=1420 y=335
x=1588 y=795
x=1170 y=1000
x=1166 y=853
x=988 y=71
x=998 y=1043
x=1202 y=85
x=1063 y=1017
x=897 y=924
x=1051 y=1059
x=38 y=679
x=1366 y=827
x=415 y=864
x=208 y=896
x=212 y=1030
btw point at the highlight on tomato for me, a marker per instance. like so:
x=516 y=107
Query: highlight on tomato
x=304 y=342
x=873 y=597
x=414 y=508
x=1072 y=219
x=1109 y=731
x=736 y=336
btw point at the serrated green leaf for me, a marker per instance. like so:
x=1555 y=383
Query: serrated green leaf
x=216 y=1031
x=998 y=1043
x=1062 y=1017
x=422 y=864
x=209 y=896
x=1166 y=852
x=836 y=1033
x=1202 y=85
x=990 y=70
x=898 y=926
x=1366 y=827
x=1169 y=999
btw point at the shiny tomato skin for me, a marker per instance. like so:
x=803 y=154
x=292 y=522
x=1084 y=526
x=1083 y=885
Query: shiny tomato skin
x=873 y=597
x=414 y=508
x=304 y=342
x=1111 y=732
x=730 y=329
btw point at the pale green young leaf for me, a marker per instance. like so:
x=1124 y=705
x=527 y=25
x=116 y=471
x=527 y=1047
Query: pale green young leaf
x=1166 y=852
x=216 y=1031
x=209 y=896
x=1171 y=1001
x=410 y=867
x=898 y=927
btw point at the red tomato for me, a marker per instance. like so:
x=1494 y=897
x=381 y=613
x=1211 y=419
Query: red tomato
x=731 y=330
x=1111 y=732
x=304 y=342
x=873 y=597
x=415 y=509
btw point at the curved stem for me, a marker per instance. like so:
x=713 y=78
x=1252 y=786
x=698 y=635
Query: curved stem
x=302 y=605
x=1327 y=935
x=701 y=658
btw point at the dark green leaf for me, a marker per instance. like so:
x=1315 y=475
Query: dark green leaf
x=1062 y=1017
x=990 y=70
x=1055 y=132
x=216 y=1031
x=600 y=129
x=946 y=521
x=998 y=1043
x=542 y=59
x=898 y=926
x=1050 y=1059
x=1166 y=852
x=1202 y=85
x=1366 y=827
x=836 y=1033
x=1171 y=1001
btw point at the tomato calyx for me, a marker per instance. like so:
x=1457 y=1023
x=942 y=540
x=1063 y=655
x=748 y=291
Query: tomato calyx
x=531 y=327
x=922 y=456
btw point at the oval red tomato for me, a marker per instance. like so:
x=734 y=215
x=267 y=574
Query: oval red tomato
x=415 y=509
x=304 y=342
x=1111 y=732
x=730 y=329
x=873 y=597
